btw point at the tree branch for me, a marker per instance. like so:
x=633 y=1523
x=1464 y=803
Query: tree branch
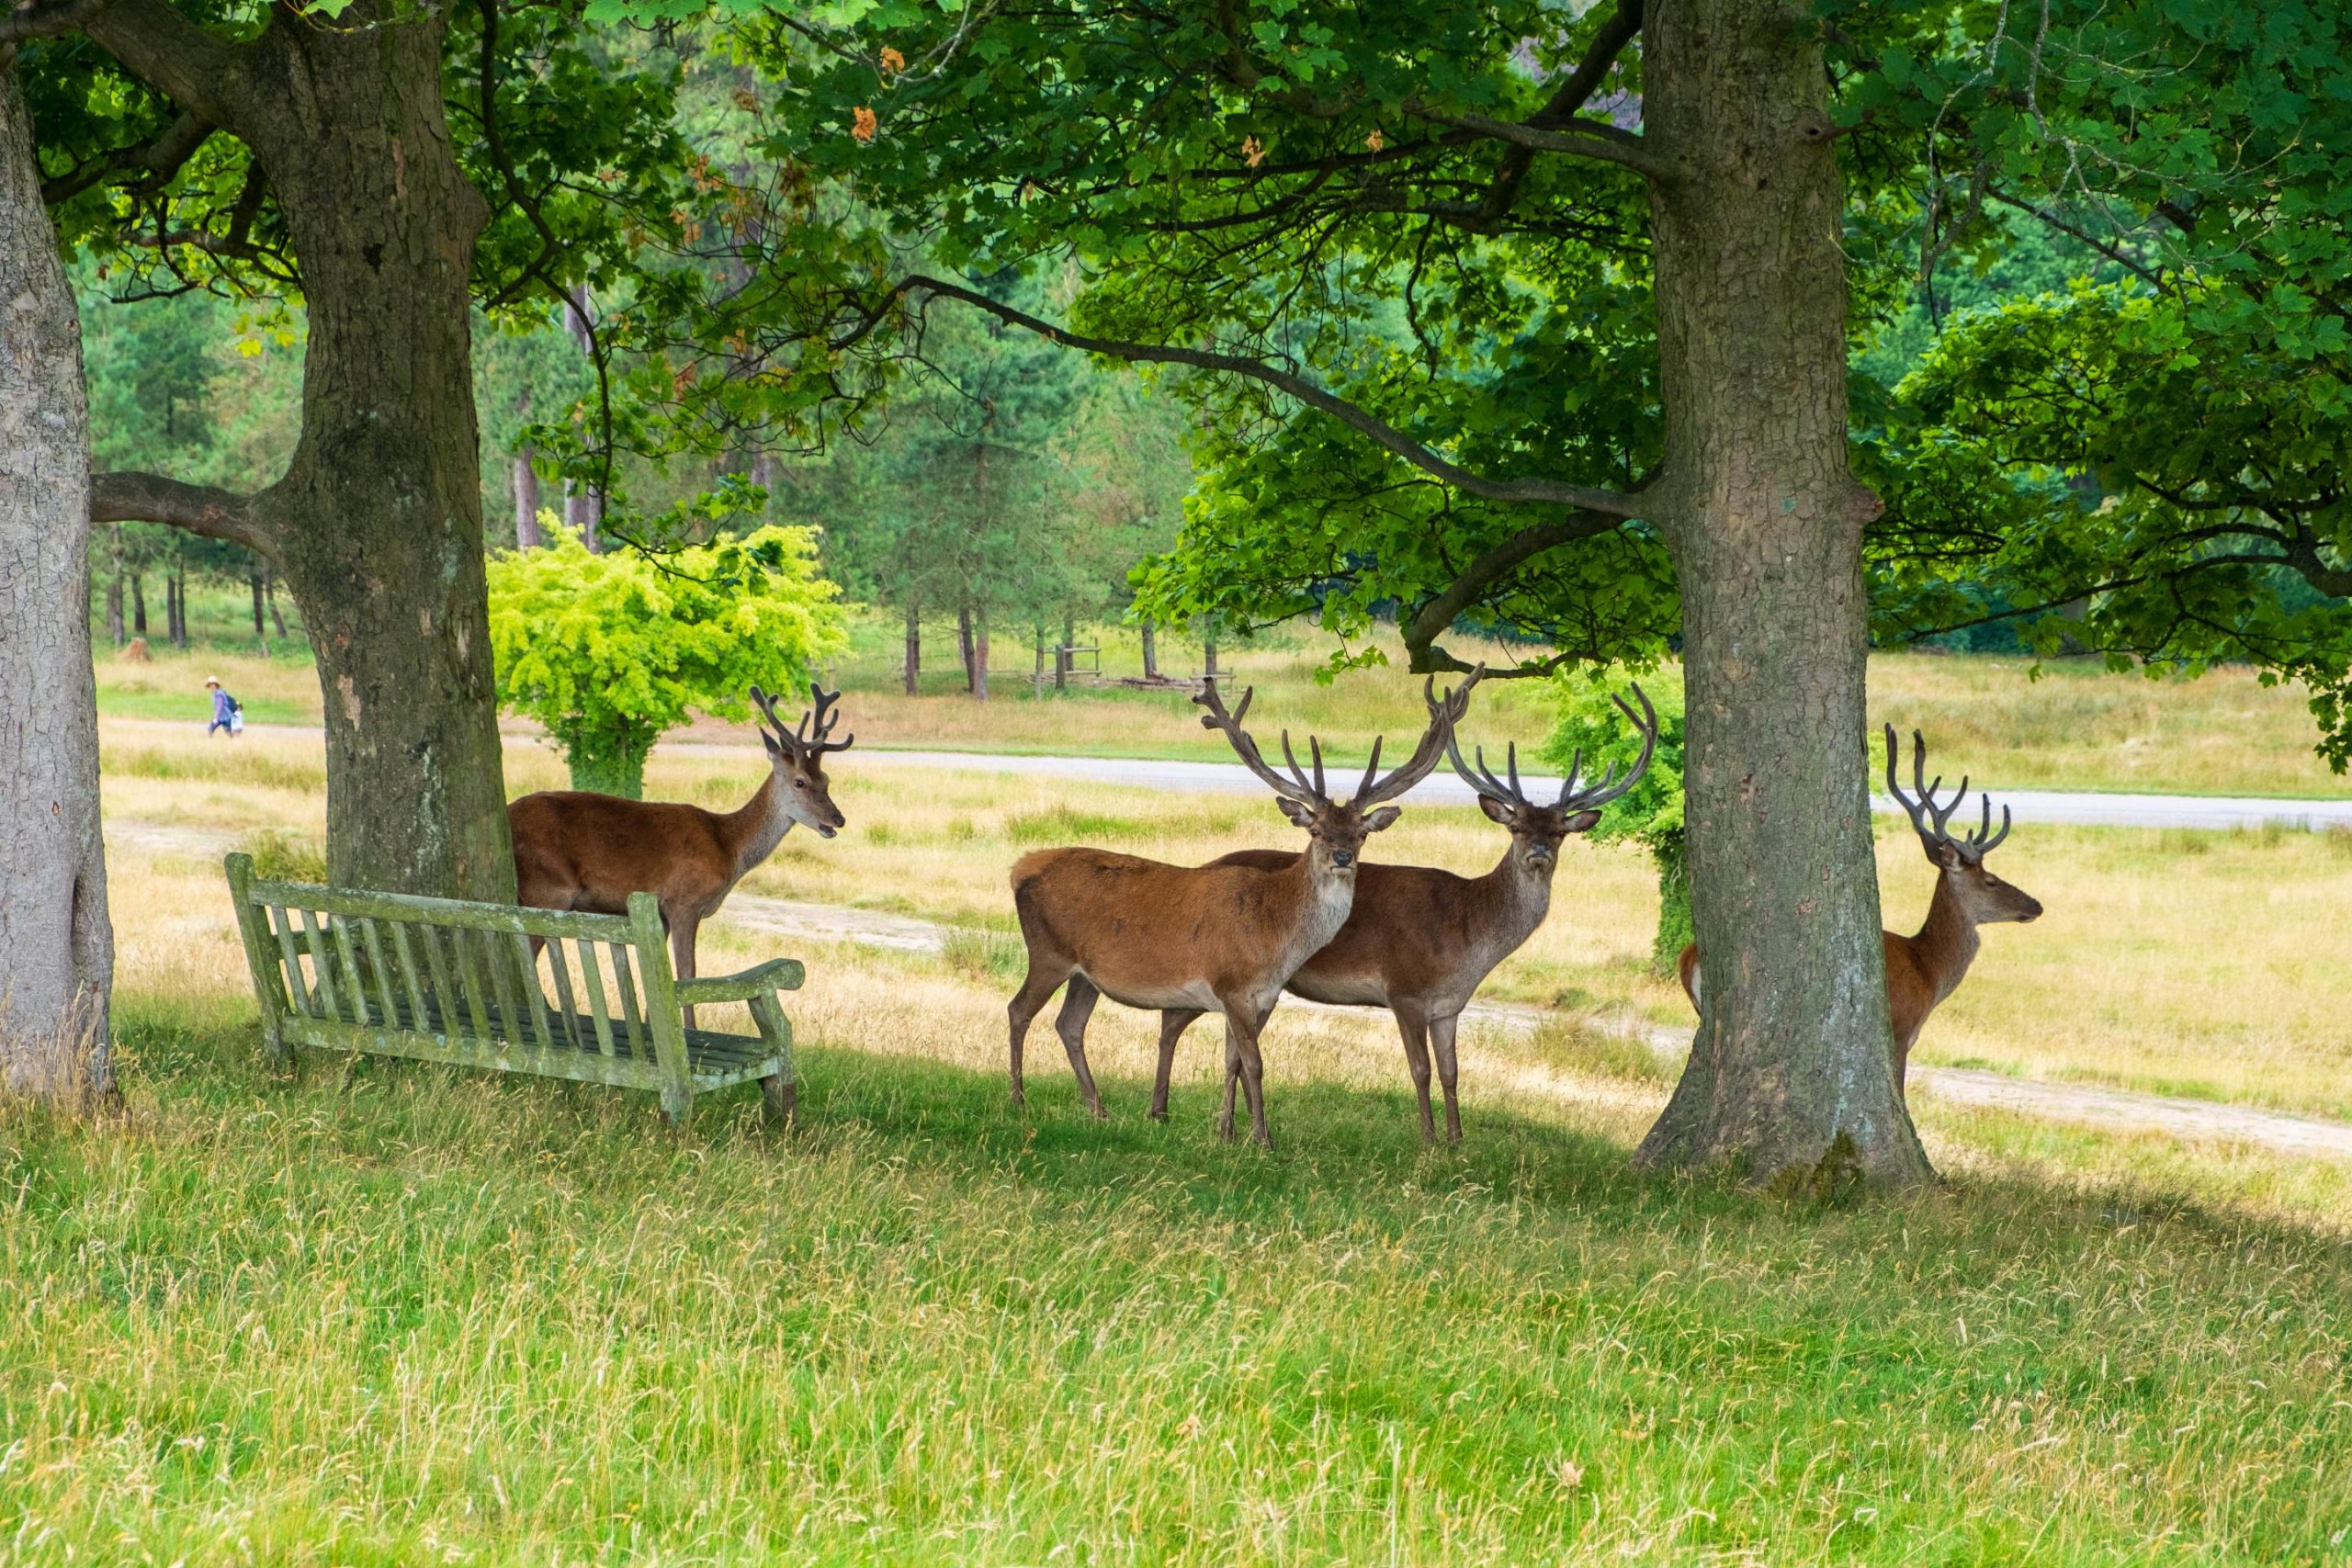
x=1580 y=138
x=158 y=161
x=127 y=497
x=1607 y=503
x=1615 y=33
x=46 y=18
x=195 y=68
x=1435 y=618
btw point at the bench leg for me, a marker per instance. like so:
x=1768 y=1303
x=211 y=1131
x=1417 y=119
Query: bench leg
x=779 y=1093
x=677 y=1107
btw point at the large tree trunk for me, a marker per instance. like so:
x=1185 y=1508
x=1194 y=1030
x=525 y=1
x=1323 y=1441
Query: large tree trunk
x=377 y=524
x=56 y=943
x=1791 y=1062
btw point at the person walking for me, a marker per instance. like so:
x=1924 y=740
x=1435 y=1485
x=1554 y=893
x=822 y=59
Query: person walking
x=228 y=713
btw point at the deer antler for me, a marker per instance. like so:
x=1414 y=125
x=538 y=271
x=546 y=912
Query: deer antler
x=1928 y=819
x=799 y=740
x=1480 y=777
x=1445 y=712
x=1229 y=723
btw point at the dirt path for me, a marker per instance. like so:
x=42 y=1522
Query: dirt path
x=2110 y=1109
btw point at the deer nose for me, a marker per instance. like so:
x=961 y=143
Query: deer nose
x=1344 y=857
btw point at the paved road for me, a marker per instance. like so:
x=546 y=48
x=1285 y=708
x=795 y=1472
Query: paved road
x=1443 y=788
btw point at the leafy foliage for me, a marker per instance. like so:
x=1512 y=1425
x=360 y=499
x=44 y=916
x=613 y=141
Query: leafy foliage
x=610 y=652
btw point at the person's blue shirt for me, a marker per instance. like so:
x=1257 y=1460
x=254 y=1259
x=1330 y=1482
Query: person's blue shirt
x=219 y=705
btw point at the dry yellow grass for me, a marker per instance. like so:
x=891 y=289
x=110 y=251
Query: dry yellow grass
x=2209 y=964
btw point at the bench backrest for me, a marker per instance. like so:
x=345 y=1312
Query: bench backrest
x=460 y=971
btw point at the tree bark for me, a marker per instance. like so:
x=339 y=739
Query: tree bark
x=963 y=642
x=114 y=587
x=377 y=524
x=981 y=654
x=56 y=942
x=261 y=627
x=175 y=605
x=584 y=506
x=1790 y=1077
x=1150 y=652
x=138 y=606
x=914 y=649
x=277 y=616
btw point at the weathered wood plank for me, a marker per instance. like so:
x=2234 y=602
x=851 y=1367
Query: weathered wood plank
x=284 y=925
x=322 y=965
x=447 y=913
x=592 y=980
x=253 y=928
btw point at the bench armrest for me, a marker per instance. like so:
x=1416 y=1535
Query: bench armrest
x=775 y=975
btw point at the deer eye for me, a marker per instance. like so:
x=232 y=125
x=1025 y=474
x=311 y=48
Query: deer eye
x=800 y=783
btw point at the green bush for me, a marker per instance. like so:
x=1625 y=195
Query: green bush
x=609 y=651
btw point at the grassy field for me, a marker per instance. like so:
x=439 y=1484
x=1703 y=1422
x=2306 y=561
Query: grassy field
x=407 y=1315
x=2141 y=975
x=2076 y=726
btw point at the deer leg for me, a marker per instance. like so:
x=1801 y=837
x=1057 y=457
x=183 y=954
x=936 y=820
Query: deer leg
x=1232 y=1082
x=1448 y=1070
x=1078 y=1006
x=1173 y=1021
x=1040 y=985
x=1414 y=1027
x=1242 y=1025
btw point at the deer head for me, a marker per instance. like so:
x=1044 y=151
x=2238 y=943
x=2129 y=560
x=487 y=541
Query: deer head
x=1983 y=897
x=1336 y=830
x=797 y=757
x=1537 y=827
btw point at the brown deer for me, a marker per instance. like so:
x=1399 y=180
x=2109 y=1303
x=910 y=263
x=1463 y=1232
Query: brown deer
x=1924 y=968
x=574 y=849
x=1419 y=941
x=1214 y=938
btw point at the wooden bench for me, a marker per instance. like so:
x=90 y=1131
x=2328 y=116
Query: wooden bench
x=444 y=980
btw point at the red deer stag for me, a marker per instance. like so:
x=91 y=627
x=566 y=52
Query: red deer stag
x=1925 y=968
x=1210 y=938
x=1419 y=941
x=574 y=849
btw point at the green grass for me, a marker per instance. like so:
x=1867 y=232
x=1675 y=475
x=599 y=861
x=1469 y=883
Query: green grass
x=448 y=1318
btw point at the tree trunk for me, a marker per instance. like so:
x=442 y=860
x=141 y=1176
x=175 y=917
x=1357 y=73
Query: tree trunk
x=175 y=605
x=1790 y=1077
x=377 y=524
x=114 y=588
x=277 y=616
x=1064 y=658
x=914 y=649
x=981 y=654
x=964 y=640
x=137 y=604
x=1037 y=676
x=1208 y=653
x=584 y=506
x=527 y=498
x=56 y=942
x=1150 y=652
x=763 y=474
x=261 y=627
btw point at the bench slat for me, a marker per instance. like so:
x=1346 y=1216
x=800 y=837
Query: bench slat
x=633 y=1035
x=444 y=913
x=322 y=965
x=528 y=968
x=592 y=980
x=412 y=987
x=297 y=987
x=353 y=981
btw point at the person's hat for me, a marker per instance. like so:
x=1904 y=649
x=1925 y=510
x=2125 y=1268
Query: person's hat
x=213 y=679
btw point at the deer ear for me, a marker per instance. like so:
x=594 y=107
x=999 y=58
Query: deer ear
x=1497 y=810
x=1384 y=817
x=769 y=741
x=1583 y=822
x=1297 y=812
x=1945 y=854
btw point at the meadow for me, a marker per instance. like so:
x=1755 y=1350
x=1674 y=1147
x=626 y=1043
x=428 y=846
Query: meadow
x=390 y=1314
x=2064 y=724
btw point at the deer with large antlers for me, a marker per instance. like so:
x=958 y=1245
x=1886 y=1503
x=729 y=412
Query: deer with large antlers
x=1924 y=968
x=574 y=849
x=1419 y=941
x=1216 y=938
